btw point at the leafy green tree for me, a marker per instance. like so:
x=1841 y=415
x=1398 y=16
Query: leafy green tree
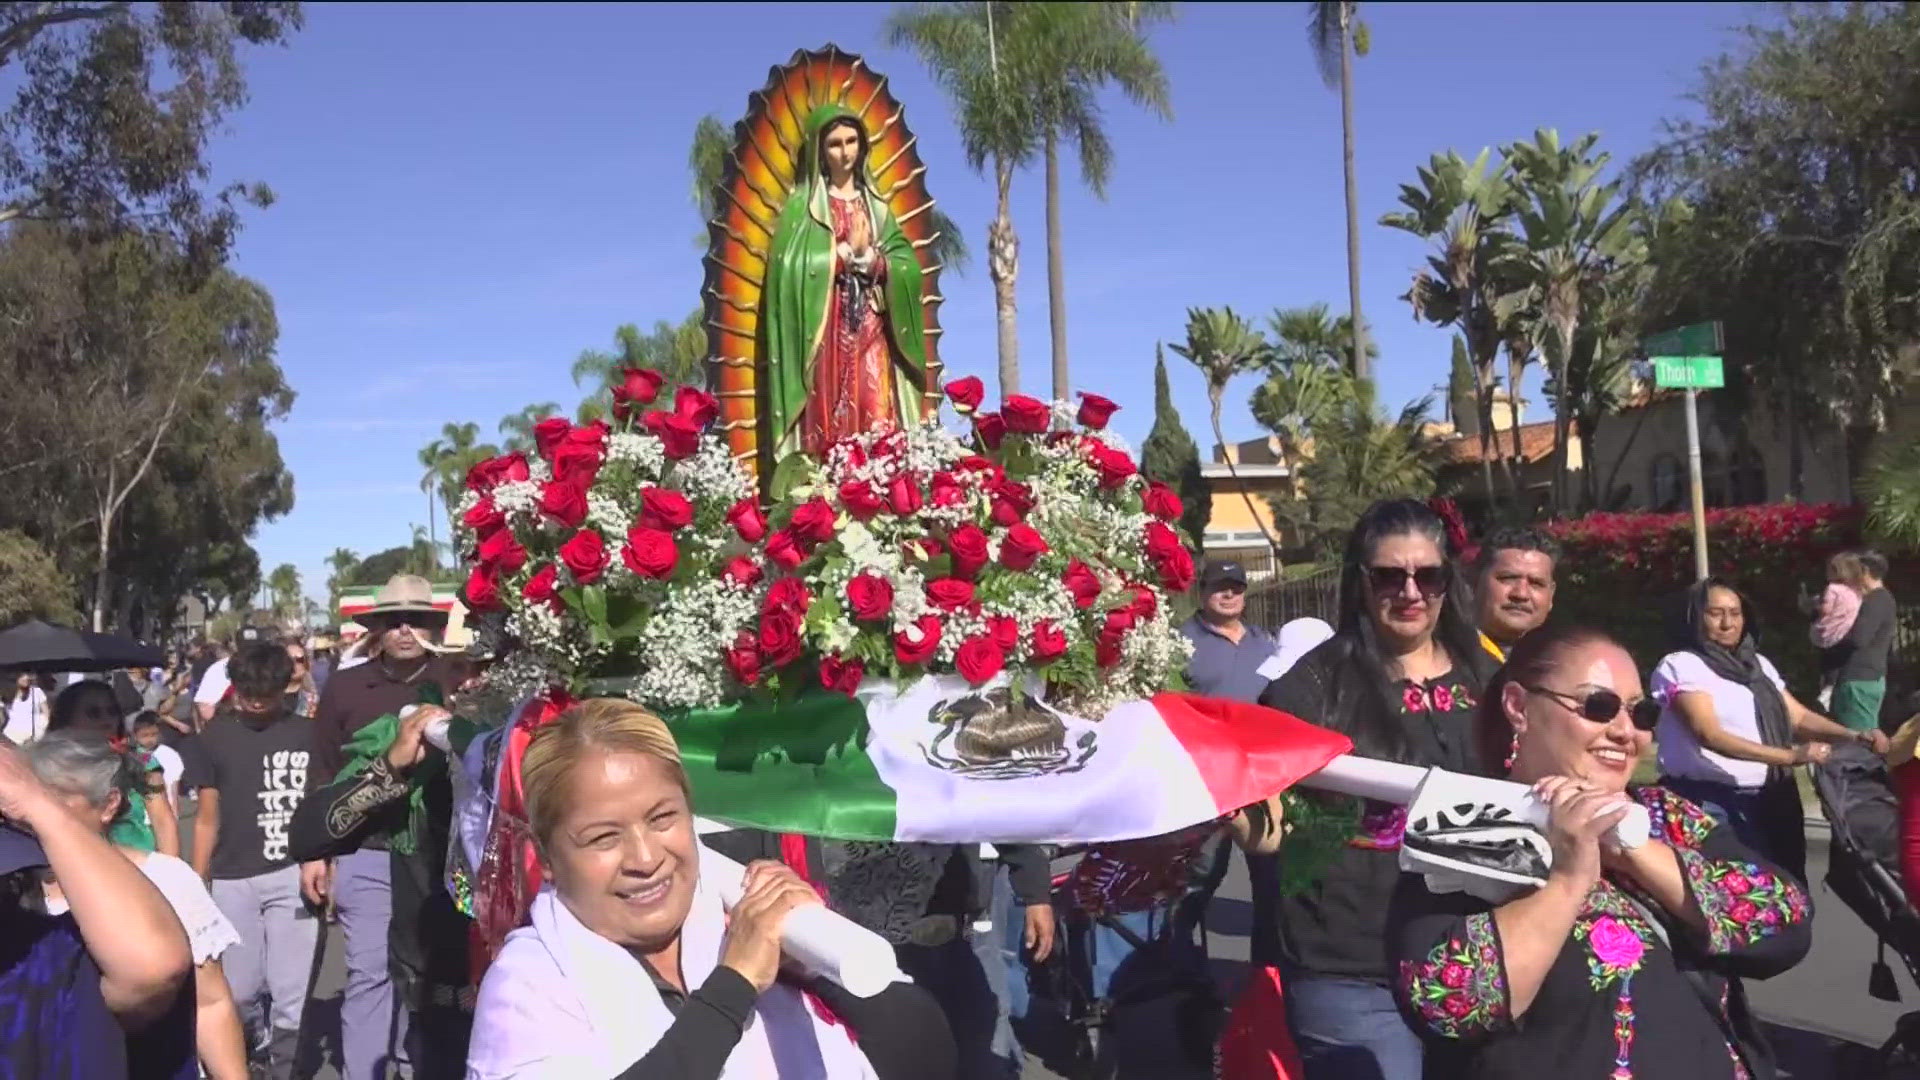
x=1170 y=456
x=376 y=568
x=283 y=585
x=677 y=351
x=1225 y=346
x=1460 y=397
x=32 y=585
x=516 y=429
x=340 y=570
x=1359 y=456
x=1309 y=381
x=1805 y=234
x=1336 y=35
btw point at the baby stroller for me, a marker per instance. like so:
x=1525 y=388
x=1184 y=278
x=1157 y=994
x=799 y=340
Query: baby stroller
x=1863 y=871
x=1129 y=974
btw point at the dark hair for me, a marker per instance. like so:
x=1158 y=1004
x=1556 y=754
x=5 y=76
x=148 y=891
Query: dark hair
x=147 y=718
x=866 y=146
x=1532 y=659
x=1372 y=721
x=1514 y=539
x=260 y=671
x=1875 y=563
x=1689 y=628
x=73 y=707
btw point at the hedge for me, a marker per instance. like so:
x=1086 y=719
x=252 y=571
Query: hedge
x=1626 y=574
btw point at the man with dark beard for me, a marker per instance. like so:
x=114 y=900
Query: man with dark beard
x=402 y=670
x=1513 y=583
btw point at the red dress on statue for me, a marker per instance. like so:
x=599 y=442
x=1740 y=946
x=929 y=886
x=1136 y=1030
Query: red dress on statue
x=853 y=376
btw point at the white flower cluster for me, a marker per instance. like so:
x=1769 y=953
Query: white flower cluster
x=685 y=639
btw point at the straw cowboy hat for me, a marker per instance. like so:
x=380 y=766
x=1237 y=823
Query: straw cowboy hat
x=403 y=594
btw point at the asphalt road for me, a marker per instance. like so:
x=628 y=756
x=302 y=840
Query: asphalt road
x=1813 y=1011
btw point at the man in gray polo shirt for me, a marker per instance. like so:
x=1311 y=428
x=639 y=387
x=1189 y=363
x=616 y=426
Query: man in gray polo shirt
x=1230 y=658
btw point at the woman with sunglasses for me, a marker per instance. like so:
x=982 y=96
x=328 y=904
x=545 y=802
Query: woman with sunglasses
x=1627 y=961
x=1730 y=732
x=1400 y=677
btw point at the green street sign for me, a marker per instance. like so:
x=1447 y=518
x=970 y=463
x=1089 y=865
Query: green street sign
x=1689 y=373
x=1700 y=339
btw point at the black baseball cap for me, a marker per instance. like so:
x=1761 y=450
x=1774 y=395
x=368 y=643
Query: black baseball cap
x=1220 y=572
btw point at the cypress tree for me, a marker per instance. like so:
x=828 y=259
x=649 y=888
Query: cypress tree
x=1170 y=456
x=1462 y=405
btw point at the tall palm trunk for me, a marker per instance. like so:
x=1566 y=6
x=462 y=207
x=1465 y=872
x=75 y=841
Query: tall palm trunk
x=1562 y=413
x=1215 y=395
x=1516 y=370
x=1360 y=367
x=1056 y=273
x=1003 y=266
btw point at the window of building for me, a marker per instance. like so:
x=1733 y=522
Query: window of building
x=1746 y=478
x=1668 y=483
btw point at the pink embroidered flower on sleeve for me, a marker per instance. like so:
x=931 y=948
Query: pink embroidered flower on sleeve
x=1460 y=989
x=1743 y=903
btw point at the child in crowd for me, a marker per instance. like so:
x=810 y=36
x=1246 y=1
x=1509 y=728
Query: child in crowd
x=151 y=751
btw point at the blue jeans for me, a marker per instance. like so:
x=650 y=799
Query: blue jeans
x=1106 y=949
x=1347 y=1029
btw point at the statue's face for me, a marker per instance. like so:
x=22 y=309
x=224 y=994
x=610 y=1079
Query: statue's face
x=840 y=146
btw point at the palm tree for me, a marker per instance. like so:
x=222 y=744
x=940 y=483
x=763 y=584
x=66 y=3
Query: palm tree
x=1336 y=35
x=1463 y=207
x=1223 y=345
x=423 y=557
x=516 y=429
x=283 y=584
x=340 y=565
x=1314 y=335
x=447 y=461
x=1310 y=380
x=1572 y=238
x=678 y=351
x=707 y=165
x=1360 y=456
x=1083 y=47
x=985 y=69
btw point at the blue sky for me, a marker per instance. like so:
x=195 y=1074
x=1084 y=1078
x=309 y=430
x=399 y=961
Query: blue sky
x=470 y=195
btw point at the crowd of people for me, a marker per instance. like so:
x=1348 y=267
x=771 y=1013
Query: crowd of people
x=178 y=841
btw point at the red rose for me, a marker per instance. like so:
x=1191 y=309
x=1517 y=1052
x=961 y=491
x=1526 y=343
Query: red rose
x=747 y=520
x=966 y=394
x=484 y=476
x=780 y=637
x=869 y=597
x=548 y=433
x=744 y=659
x=903 y=495
x=969 y=547
x=784 y=551
x=1028 y=416
x=501 y=552
x=483 y=517
x=1005 y=631
x=1144 y=603
x=1161 y=502
x=544 y=588
x=1095 y=411
x=483 y=593
x=990 y=428
x=788 y=594
x=1082 y=582
x=1176 y=571
x=945 y=490
x=1115 y=467
x=664 y=510
x=1049 y=643
x=1012 y=500
x=564 y=501
x=916 y=644
x=974 y=463
x=841 y=674
x=638 y=386
x=1161 y=541
x=650 y=553
x=579 y=455
x=697 y=406
x=585 y=556
x=742 y=571
x=950 y=594
x=858 y=497
x=676 y=433
x=979 y=659
x=1022 y=547
x=1106 y=651
x=812 y=522
x=1119 y=621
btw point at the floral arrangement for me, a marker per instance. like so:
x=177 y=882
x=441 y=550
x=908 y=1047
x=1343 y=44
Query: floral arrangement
x=1031 y=544
x=607 y=553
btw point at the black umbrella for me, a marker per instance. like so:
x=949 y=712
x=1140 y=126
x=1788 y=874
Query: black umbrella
x=38 y=646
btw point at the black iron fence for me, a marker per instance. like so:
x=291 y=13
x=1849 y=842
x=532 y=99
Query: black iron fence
x=1272 y=604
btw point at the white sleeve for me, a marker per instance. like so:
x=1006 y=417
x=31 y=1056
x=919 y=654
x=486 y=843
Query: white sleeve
x=1773 y=674
x=208 y=931
x=1677 y=673
x=213 y=685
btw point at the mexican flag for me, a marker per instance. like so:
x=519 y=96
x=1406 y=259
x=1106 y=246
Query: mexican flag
x=938 y=761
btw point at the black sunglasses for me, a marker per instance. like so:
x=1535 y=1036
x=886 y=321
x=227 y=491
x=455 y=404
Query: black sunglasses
x=414 y=620
x=1432 y=581
x=1601 y=706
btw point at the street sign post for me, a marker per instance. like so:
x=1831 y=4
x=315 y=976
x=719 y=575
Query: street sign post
x=1689 y=358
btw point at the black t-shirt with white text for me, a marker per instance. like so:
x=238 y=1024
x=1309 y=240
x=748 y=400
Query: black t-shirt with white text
x=260 y=770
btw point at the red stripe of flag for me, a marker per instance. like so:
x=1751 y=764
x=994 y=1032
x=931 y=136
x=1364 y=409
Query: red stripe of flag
x=1244 y=752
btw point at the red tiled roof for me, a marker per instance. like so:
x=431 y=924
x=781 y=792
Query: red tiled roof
x=1536 y=444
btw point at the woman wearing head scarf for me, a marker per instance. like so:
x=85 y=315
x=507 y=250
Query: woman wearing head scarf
x=1731 y=733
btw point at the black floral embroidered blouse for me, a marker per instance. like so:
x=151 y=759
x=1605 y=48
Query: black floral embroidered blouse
x=1620 y=1001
